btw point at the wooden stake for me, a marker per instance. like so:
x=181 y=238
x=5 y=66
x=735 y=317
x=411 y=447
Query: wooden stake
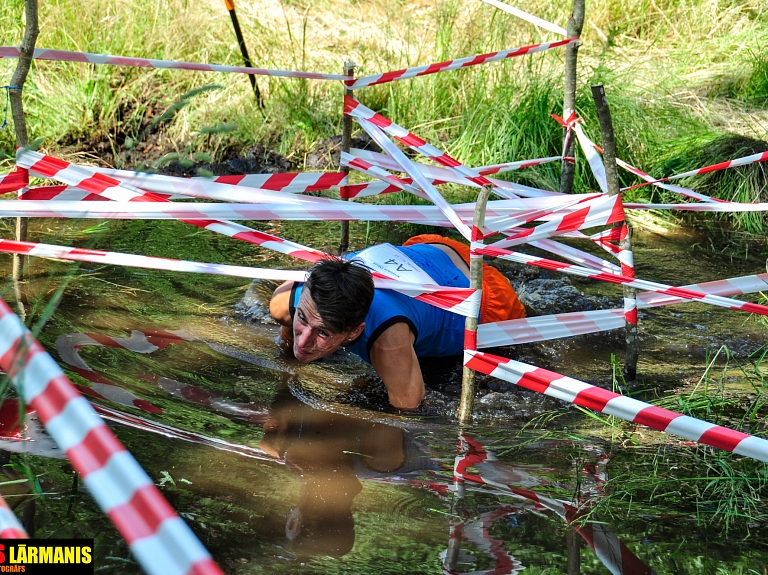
x=612 y=175
x=243 y=50
x=575 y=25
x=467 y=403
x=346 y=144
x=572 y=545
x=17 y=109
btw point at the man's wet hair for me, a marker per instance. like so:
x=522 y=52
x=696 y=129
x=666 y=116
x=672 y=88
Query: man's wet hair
x=342 y=291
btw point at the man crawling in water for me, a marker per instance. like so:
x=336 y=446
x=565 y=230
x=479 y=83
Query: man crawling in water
x=338 y=306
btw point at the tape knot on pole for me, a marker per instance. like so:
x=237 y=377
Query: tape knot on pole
x=568 y=123
x=7 y=101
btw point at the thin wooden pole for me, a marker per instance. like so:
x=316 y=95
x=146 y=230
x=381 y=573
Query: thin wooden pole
x=346 y=145
x=573 y=544
x=625 y=244
x=467 y=402
x=243 y=49
x=31 y=31
x=575 y=25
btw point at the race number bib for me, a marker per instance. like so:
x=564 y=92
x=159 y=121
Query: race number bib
x=388 y=260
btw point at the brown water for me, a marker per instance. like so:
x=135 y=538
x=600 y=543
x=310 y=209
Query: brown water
x=285 y=468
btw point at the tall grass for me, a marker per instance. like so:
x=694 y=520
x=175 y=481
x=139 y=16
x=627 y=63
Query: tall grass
x=668 y=66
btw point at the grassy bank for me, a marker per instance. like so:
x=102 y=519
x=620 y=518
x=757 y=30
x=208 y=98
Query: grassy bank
x=686 y=81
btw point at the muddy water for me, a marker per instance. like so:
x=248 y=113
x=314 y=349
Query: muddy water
x=283 y=468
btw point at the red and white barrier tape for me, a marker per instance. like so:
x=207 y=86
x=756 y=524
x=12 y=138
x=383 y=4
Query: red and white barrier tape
x=91 y=180
x=462 y=174
x=293 y=182
x=455 y=64
x=593 y=158
x=72 y=194
x=535 y=20
x=408 y=166
x=541 y=328
x=89 y=58
x=508 y=190
x=355 y=109
x=385 y=161
x=604 y=401
x=106 y=186
x=455 y=300
x=509 y=225
x=727 y=287
x=610 y=241
x=435 y=176
x=745 y=161
x=10 y=527
x=371 y=189
x=650 y=179
x=161 y=542
x=703 y=207
x=14 y=181
x=622 y=280
x=669 y=187
x=78 y=176
x=518 y=165
x=200 y=212
x=599 y=211
x=146 y=262
x=576 y=255
x=376 y=172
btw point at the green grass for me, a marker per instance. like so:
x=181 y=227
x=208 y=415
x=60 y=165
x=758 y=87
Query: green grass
x=670 y=69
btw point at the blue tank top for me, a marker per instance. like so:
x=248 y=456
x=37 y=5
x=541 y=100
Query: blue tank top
x=438 y=332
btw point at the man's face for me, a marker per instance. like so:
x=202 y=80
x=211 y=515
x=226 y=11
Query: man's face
x=311 y=338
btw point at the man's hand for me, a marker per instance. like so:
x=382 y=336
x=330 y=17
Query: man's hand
x=393 y=357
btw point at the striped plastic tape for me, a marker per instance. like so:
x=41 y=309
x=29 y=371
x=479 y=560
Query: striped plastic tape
x=541 y=328
x=106 y=186
x=622 y=280
x=604 y=401
x=89 y=58
x=14 y=181
x=455 y=64
x=10 y=528
x=291 y=182
x=455 y=300
x=744 y=161
x=160 y=540
x=91 y=180
x=447 y=210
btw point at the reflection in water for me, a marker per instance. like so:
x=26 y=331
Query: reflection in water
x=476 y=531
x=479 y=465
x=329 y=454
x=144 y=342
x=333 y=455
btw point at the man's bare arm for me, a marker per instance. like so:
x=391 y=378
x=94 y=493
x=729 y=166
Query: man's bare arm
x=279 y=309
x=279 y=305
x=394 y=359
